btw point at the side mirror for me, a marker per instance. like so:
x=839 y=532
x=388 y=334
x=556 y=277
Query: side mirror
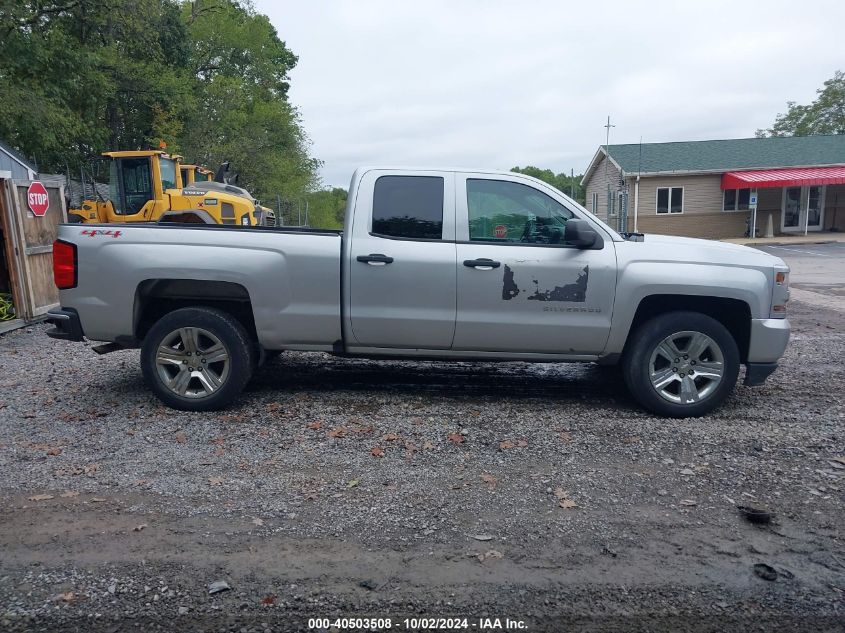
x=579 y=233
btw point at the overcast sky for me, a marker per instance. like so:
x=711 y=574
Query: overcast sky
x=497 y=84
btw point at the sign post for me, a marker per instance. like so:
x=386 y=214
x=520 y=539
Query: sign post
x=752 y=204
x=37 y=199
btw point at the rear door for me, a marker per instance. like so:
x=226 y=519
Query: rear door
x=521 y=287
x=402 y=286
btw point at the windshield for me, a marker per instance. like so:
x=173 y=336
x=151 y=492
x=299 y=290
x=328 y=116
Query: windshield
x=201 y=176
x=168 y=173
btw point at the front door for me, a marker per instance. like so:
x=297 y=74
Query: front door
x=803 y=207
x=815 y=199
x=402 y=261
x=521 y=288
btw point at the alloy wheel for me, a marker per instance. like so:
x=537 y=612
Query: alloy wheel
x=686 y=367
x=192 y=362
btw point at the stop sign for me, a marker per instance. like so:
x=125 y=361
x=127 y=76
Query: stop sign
x=37 y=199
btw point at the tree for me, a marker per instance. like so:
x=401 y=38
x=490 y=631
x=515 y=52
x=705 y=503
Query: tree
x=825 y=115
x=79 y=77
x=326 y=208
x=241 y=114
x=570 y=185
x=208 y=77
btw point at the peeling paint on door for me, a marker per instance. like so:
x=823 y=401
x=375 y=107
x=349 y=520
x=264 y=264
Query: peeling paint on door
x=575 y=292
x=509 y=287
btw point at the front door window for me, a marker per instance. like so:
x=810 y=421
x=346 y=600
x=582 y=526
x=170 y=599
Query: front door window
x=506 y=212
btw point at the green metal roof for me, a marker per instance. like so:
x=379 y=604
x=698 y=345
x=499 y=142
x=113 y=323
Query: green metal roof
x=731 y=154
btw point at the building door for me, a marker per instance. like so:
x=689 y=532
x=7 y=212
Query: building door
x=815 y=202
x=790 y=218
x=802 y=207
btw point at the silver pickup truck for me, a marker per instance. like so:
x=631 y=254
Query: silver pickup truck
x=431 y=264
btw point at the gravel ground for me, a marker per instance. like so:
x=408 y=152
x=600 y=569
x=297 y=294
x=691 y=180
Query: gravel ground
x=337 y=487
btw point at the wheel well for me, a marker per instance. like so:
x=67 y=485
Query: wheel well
x=156 y=297
x=734 y=314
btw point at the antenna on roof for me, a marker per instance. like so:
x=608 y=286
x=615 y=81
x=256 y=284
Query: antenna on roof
x=640 y=161
x=607 y=145
x=606 y=161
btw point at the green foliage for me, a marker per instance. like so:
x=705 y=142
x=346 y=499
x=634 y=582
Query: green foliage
x=570 y=185
x=825 y=115
x=240 y=69
x=326 y=208
x=209 y=77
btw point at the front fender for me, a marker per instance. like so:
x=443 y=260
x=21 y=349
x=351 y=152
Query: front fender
x=639 y=280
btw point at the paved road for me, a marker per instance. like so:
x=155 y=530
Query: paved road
x=818 y=272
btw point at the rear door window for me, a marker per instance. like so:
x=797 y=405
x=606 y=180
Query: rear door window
x=409 y=207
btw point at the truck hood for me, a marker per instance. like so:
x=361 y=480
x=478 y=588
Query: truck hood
x=692 y=250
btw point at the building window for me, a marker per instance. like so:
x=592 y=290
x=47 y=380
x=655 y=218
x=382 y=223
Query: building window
x=611 y=204
x=408 y=207
x=736 y=199
x=670 y=200
x=595 y=203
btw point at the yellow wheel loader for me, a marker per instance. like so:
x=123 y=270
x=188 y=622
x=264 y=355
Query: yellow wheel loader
x=195 y=173
x=147 y=186
x=198 y=174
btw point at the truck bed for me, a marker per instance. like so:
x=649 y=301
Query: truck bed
x=294 y=271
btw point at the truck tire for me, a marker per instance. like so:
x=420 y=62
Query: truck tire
x=197 y=359
x=681 y=364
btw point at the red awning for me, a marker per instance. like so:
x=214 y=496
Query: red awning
x=797 y=177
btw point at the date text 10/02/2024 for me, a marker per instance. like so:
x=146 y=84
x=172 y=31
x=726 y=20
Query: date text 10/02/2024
x=419 y=624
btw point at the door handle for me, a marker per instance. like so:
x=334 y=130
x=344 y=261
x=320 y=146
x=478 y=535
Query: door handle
x=375 y=259
x=481 y=264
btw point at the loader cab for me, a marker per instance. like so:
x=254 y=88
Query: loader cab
x=138 y=182
x=195 y=173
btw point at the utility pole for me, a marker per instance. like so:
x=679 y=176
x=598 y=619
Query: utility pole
x=606 y=161
x=572 y=183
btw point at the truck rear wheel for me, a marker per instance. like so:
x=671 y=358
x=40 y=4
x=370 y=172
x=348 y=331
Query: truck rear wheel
x=197 y=359
x=681 y=364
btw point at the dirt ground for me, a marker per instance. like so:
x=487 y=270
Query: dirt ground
x=351 y=488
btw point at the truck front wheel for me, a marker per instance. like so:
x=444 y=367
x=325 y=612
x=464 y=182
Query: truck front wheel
x=681 y=364
x=197 y=359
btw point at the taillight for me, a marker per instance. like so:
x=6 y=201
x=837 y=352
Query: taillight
x=64 y=264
